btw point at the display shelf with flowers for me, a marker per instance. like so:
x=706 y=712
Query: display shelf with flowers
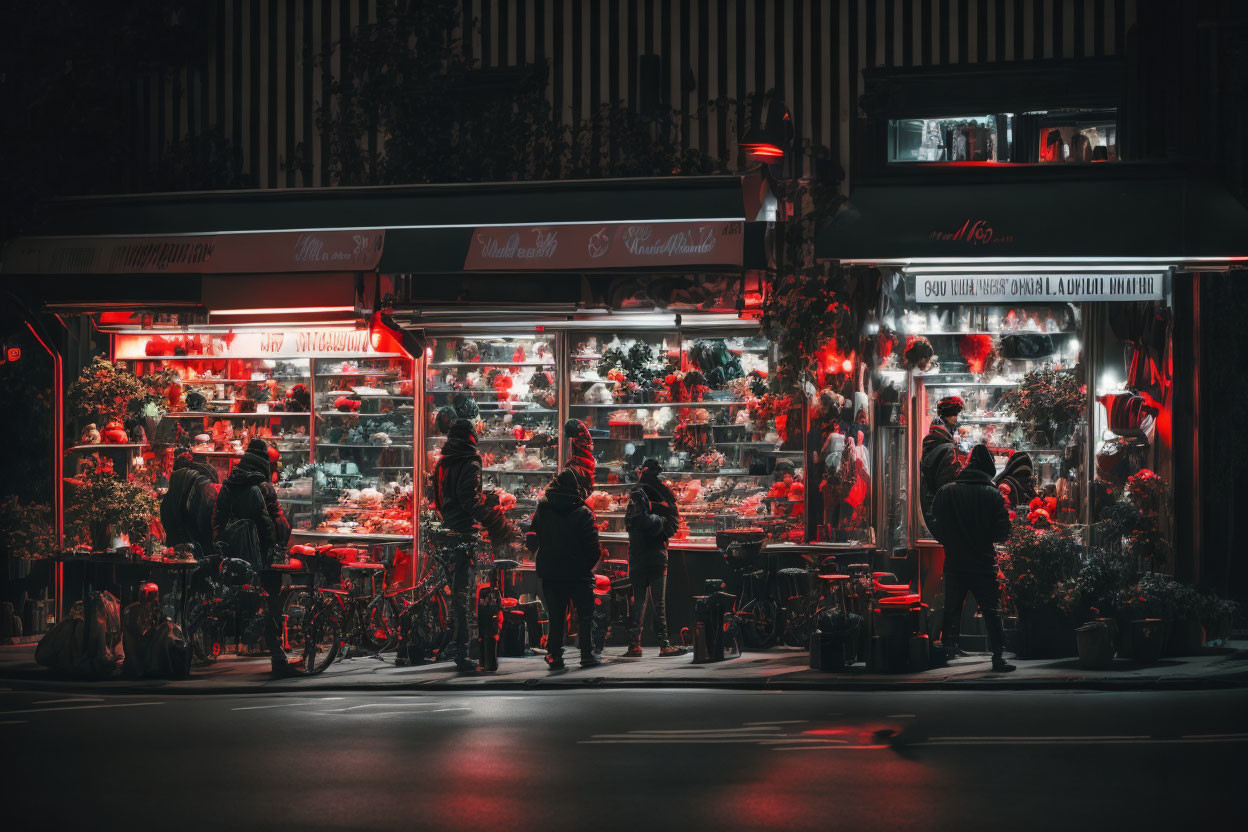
x=103 y=391
x=1047 y=403
x=1039 y=564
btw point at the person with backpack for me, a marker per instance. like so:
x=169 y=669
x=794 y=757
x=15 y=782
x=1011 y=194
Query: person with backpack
x=938 y=466
x=563 y=536
x=248 y=524
x=651 y=519
x=187 y=508
x=968 y=517
x=465 y=506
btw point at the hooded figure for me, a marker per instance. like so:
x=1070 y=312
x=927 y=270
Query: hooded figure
x=186 y=509
x=565 y=540
x=968 y=518
x=939 y=463
x=580 y=453
x=651 y=519
x=247 y=497
x=1017 y=478
x=459 y=498
x=248 y=522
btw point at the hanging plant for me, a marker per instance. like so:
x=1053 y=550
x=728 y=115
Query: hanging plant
x=800 y=316
x=27 y=529
x=103 y=391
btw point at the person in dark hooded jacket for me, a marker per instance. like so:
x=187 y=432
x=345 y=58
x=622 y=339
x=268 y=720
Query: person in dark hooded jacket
x=186 y=509
x=460 y=499
x=247 y=497
x=939 y=463
x=1015 y=480
x=968 y=517
x=651 y=519
x=565 y=539
x=580 y=459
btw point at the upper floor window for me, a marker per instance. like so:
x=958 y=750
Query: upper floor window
x=1058 y=136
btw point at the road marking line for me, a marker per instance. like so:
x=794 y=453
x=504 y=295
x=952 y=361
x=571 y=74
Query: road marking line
x=780 y=722
x=1045 y=739
x=1212 y=736
x=832 y=748
x=263 y=707
x=382 y=705
x=73 y=699
x=79 y=708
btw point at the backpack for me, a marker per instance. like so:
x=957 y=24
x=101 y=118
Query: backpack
x=241 y=536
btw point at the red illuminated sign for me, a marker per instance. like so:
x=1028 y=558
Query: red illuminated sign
x=974 y=232
x=13 y=353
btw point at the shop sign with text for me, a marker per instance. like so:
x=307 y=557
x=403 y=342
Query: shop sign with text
x=262 y=252
x=626 y=245
x=327 y=342
x=1037 y=288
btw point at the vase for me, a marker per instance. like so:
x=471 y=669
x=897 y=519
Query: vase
x=100 y=537
x=1148 y=636
x=1096 y=644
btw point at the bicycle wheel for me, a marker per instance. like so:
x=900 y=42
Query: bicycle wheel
x=760 y=623
x=381 y=625
x=799 y=620
x=203 y=631
x=426 y=628
x=322 y=638
x=297 y=605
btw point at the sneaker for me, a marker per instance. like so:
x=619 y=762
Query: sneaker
x=555 y=662
x=590 y=660
x=467 y=666
x=633 y=652
x=667 y=651
x=1000 y=665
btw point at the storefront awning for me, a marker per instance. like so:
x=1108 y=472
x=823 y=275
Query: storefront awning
x=430 y=229
x=1140 y=213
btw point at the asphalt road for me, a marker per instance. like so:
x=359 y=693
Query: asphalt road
x=625 y=759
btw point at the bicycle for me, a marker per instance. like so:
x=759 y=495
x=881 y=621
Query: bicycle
x=421 y=613
x=759 y=614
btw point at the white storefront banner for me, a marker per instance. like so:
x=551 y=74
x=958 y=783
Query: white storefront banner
x=1037 y=288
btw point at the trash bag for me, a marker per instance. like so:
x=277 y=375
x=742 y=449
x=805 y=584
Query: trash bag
x=88 y=643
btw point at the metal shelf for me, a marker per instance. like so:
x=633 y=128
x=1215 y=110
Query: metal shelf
x=1002 y=384
x=377 y=447
x=196 y=414
x=186 y=381
x=375 y=538
x=621 y=406
x=550 y=363
x=539 y=472
x=95 y=446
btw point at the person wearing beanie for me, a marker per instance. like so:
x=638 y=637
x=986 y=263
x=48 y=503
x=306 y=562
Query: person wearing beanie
x=651 y=519
x=969 y=517
x=565 y=540
x=1015 y=480
x=460 y=499
x=580 y=453
x=187 y=507
x=938 y=464
x=248 y=523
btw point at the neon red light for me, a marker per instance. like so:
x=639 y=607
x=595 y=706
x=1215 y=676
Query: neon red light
x=279 y=310
x=13 y=354
x=767 y=150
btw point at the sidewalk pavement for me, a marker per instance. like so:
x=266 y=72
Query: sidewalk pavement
x=776 y=669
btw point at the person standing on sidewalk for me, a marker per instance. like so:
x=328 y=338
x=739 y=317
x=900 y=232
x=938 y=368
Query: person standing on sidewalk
x=565 y=540
x=939 y=463
x=463 y=504
x=969 y=516
x=651 y=519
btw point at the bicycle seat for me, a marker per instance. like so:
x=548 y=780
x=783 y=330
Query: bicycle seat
x=511 y=602
x=506 y=564
x=302 y=550
x=602 y=583
x=892 y=589
x=834 y=578
x=792 y=572
x=884 y=577
x=291 y=565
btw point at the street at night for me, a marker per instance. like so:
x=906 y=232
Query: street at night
x=612 y=759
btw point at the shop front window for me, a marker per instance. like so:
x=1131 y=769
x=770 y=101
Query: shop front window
x=508 y=386
x=1054 y=136
x=1075 y=137
x=972 y=138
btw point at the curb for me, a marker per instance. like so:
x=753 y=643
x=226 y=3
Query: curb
x=1237 y=681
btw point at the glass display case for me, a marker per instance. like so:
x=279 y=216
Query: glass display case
x=699 y=404
x=361 y=482
x=509 y=386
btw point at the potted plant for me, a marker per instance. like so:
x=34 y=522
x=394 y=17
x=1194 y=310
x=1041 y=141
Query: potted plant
x=1217 y=615
x=1038 y=564
x=1047 y=403
x=1160 y=598
x=103 y=391
x=103 y=506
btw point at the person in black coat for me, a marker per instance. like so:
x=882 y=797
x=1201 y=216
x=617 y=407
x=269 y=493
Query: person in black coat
x=969 y=516
x=463 y=504
x=247 y=497
x=565 y=540
x=938 y=466
x=186 y=509
x=651 y=519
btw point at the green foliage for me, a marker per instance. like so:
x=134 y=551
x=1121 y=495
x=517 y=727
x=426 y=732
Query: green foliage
x=1046 y=400
x=1160 y=596
x=100 y=498
x=1039 y=563
x=103 y=390
x=28 y=529
x=799 y=315
x=1096 y=589
x=440 y=118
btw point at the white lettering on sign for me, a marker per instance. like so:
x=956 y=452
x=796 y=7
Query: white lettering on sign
x=641 y=240
x=1037 y=288
x=545 y=244
x=276 y=343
